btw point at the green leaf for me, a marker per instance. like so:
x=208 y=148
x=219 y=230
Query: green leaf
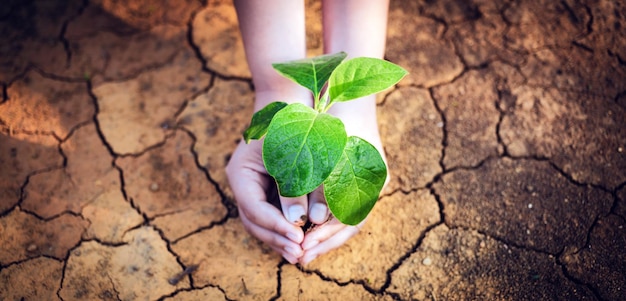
x=311 y=73
x=301 y=148
x=261 y=121
x=363 y=76
x=354 y=186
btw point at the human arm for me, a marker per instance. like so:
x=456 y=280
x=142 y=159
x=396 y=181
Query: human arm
x=357 y=27
x=272 y=31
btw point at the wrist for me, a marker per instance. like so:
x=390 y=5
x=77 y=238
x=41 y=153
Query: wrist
x=278 y=88
x=359 y=113
x=360 y=119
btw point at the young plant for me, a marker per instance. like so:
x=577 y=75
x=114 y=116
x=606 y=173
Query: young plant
x=305 y=147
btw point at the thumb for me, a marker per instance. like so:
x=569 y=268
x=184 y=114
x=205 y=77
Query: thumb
x=294 y=209
x=318 y=210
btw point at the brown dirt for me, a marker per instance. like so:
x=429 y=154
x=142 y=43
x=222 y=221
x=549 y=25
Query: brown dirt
x=506 y=147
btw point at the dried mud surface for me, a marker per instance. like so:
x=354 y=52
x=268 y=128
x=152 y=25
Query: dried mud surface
x=506 y=146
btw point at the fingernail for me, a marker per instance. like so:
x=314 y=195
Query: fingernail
x=311 y=258
x=310 y=244
x=296 y=212
x=293 y=237
x=290 y=259
x=318 y=212
x=291 y=250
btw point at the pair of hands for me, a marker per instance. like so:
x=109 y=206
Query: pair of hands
x=251 y=185
x=281 y=230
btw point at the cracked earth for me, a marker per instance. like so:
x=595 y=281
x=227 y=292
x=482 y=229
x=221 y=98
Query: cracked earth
x=506 y=146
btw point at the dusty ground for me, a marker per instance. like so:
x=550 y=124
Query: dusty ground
x=507 y=147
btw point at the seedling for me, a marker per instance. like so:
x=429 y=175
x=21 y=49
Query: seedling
x=306 y=147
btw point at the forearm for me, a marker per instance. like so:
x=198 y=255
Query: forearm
x=273 y=31
x=358 y=27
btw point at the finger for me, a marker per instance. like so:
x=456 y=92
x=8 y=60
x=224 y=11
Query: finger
x=264 y=215
x=330 y=244
x=293 y=259
x=322 y=233
x=247 y=187
x=294 y=209
x=318 y=210
x=287 y=248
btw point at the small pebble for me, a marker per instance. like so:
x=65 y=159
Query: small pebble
x=154 y=187
x=530 y=206
x=31 y=248
x=427 y=261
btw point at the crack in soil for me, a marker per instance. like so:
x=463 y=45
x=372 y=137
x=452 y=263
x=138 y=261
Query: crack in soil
x=18 y=262
x=198 y=52
x=617 y=199
x=279 y=272
x=444 y=138
x=620 y=60
x=53 y=217
x=64 y=261
x=117 y=294
x=502 y=114
x=22 y=192
x=408 y=254
x=129 y=199
x=573 y=279
x=53 y=76
x=582 y=46
x=231 y=208
x=191 y=289
x=571 y=179
x=168 y=246
x=63 y=39
x=359 y=282
x=220 y=222
x=557 y=168
x=23 y=187
x=112 y=153
x=181 y=109
x=5 y=93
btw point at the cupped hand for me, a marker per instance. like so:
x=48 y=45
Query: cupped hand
x=359 y=118
x=282 y=231
x=251 y=184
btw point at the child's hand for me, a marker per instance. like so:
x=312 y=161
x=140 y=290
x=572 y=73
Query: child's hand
x=359 y=117
x=250 y=183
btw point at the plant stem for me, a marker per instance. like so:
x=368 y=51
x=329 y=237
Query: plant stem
x=317 y=103
x=324 y=102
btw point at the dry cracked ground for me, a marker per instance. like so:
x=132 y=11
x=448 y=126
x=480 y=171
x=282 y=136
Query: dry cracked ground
x=506 y=143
